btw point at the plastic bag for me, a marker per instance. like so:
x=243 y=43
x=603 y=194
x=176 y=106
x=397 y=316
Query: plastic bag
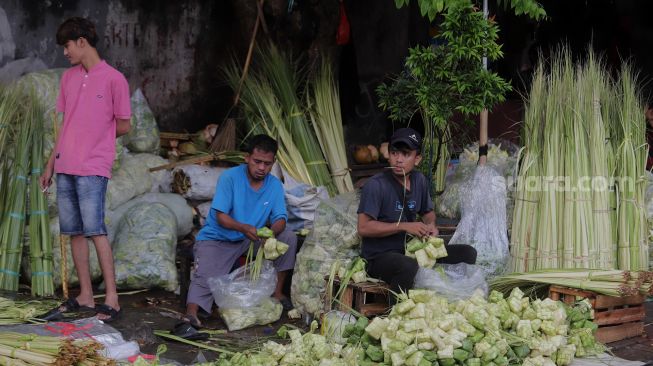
x=144 y=134
x=236 y=290
x=130 y=180
x=301 y=202
x=96 y=272
x=144 y=248
x=203 y=211
x=161 y=179
x=176 y=203
x=334 y=237
x=483 y=223
x=115 y=345
x=196 y=182
x=267 y=311
x=502 y=156
x=334 y=323
x=453 y=281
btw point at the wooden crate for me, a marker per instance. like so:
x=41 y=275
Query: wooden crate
x=358 y=296
x=617 y=317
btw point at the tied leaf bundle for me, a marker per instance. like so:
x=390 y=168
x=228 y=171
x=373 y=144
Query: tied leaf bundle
x=15 y=200
x=39 y=222
x=581 y=187
x=28 y=349
x=609 y=282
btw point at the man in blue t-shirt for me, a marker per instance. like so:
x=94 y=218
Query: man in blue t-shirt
x=246 y=198
x=389 y=205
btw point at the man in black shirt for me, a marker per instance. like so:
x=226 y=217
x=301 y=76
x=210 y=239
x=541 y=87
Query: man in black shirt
x=390 y=203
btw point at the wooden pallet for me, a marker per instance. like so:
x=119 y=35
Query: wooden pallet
x=358 y=296
x=617 y=317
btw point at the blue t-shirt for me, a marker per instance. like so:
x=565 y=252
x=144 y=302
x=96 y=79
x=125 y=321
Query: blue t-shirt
x=235 y=197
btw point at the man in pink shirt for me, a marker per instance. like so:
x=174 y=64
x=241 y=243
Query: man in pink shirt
x=94 y=99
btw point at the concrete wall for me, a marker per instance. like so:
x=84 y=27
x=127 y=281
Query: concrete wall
x=165 y=48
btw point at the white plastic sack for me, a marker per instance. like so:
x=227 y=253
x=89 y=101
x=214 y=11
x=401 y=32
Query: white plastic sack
x=176 y=203
x=203 y=210
x=144 y=134
x=130 y=180
x=144 y=248
x=483 y=222
x=301 y=202
x=452 y=281
x=161 y=179
x=236 y=290
x=196 y=182
x=96 y=272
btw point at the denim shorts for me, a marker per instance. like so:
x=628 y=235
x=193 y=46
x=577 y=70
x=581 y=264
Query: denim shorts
x=80 y=201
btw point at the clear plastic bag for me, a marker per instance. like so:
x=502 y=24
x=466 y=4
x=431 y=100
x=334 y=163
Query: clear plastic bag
x=144 y=134
x=502 y=157
x=483 y=222
x=334 y=237
x=235 y=290
x=453 y=281
x=266 y=311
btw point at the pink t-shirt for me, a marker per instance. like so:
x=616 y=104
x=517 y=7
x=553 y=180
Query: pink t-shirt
x=91 y=103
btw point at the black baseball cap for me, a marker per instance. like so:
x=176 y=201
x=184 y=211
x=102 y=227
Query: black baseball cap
x=407 y=136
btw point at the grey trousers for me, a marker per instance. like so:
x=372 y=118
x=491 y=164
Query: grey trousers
x=216 y=258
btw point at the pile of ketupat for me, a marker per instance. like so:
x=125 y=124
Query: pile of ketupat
x=424 y=329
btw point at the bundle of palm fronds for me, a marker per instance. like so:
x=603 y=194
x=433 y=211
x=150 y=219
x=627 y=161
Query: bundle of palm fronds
x=272 y=105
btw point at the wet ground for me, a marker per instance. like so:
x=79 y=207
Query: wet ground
x=160 y=310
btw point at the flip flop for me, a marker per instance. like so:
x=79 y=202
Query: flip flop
x=191 y=320
x=69 y=306
x=108 y=310
x=186 y=331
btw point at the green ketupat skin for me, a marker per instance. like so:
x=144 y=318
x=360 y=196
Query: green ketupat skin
x=264 y=232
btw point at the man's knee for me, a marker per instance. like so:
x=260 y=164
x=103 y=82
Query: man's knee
x=289 y=237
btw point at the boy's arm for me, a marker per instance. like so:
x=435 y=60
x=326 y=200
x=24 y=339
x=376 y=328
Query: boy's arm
x=122 y=127
x=48 y=171
x=46 y=178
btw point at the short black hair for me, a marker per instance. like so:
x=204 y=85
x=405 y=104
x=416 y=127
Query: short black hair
x=264 y=143
x=74 y=28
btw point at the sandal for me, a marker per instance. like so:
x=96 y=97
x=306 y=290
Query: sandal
x=69 y=306
x=108 y=310
x=191 y=320
x=187 y=331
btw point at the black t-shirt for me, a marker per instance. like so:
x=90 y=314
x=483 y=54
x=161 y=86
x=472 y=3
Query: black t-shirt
x=382 y=198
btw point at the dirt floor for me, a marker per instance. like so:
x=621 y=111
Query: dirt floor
x=159 y=310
